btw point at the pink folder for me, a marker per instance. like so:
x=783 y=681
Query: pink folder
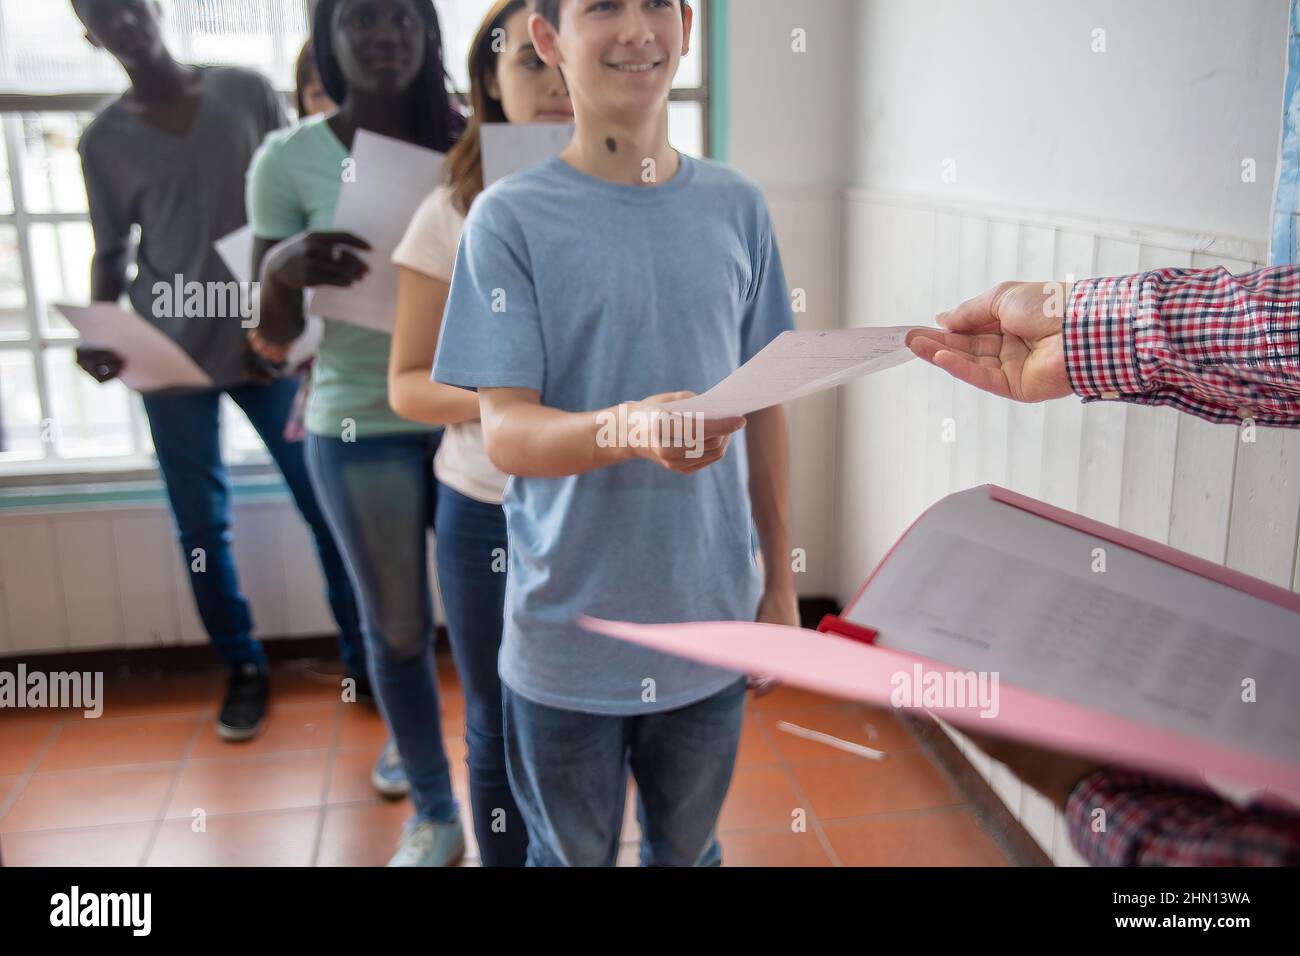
x=842 y=659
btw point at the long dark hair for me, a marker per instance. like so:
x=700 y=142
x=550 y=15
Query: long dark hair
x=465 y=161
x=438 y=124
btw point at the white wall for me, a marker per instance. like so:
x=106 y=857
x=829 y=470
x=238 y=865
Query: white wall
x=790 y=112
x=1067 y=162
x=1154 y=130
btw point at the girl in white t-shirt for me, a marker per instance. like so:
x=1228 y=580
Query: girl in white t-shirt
x=508 y=83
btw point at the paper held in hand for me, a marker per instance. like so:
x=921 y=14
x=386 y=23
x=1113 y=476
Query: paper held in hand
x=152 y=360
x=795 y=364
x=390 y=179
x=510 y=147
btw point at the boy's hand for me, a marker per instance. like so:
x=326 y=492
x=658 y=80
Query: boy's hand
x=704 y=448
x=100 y=364
x=1006 y=341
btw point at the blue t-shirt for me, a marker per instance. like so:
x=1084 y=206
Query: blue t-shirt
x=595 y=293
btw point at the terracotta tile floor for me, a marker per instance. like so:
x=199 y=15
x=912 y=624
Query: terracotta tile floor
x=123 y=789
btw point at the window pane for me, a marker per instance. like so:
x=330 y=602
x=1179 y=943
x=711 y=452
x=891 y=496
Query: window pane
x=43 y=50
x=686 y=127
x=459 y=20
x=91 y=420
x=239 y=439
x=61 y=254
x=20 y=407
x=51 y=167
x=6 y=187
x=13 y=297
x=691 y=70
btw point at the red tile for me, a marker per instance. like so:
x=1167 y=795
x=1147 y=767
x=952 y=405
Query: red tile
x=286 y=838
x=856 y=786
x=361 y=728
x=119 y=845
x=759 y=797
x=288 y=727
x=109 y=741
x=364 y=834
x=856 y=723
x=631 y=826
x=350 y=777
x=755 y=748
x=456 y=752
x=785 y=698
x=935 y=838
x=23 y=738
x=773 y=848
x=87 y=798
x=249 y=784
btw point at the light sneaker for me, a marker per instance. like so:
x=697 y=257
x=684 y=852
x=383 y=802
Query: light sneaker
x=426 y=843
x=389 y=775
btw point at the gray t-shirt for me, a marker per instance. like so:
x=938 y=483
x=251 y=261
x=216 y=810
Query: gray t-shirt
x=184 y=192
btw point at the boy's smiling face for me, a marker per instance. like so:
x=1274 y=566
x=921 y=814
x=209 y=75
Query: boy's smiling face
x=618 y=57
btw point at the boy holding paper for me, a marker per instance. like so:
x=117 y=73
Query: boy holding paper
x=621 y=268
x=169 y=155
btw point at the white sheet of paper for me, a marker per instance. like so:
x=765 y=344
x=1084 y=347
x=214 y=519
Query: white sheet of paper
x=795 y=364
x=392 y=179
x=236 y=251
x=985 y=586
x=510 y=147
x=153 y=361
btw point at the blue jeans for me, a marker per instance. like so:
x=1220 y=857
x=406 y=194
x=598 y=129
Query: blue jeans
x=379 y=496
x=471 y=548
x=187 y=442
x=569 y=772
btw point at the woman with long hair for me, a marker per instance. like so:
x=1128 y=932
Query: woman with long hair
x=381 y=61
x=508 y=83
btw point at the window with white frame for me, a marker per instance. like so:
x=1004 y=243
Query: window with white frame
x=53 y=417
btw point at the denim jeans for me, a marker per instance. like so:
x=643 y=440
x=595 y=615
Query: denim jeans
x=379 y=496
x=471 y=548
x=569 y=773
x=187 y=442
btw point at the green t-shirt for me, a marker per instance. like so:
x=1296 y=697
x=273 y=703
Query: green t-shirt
x=293 y=185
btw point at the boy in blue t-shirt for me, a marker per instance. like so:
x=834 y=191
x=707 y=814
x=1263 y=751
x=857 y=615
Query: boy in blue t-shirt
x=622 y=268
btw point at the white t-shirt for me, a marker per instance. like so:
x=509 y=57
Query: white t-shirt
x=429 y=246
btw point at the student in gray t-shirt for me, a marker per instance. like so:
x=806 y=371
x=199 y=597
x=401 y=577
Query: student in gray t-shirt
x=169 y=155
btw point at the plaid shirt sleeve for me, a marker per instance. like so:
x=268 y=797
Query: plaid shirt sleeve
x=1219 y=346
x=1147 y=821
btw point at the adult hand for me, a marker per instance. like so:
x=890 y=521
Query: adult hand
x=100 y=364
x=315 y=258
x=1006 y=341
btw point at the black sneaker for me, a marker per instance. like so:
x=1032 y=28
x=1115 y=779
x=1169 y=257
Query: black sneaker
x=244 y=708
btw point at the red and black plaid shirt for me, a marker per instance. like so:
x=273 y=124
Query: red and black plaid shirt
x=1223 y=347
x=1147 y=821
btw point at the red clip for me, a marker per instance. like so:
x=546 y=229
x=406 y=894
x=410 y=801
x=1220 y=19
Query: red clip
x=834 y=624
